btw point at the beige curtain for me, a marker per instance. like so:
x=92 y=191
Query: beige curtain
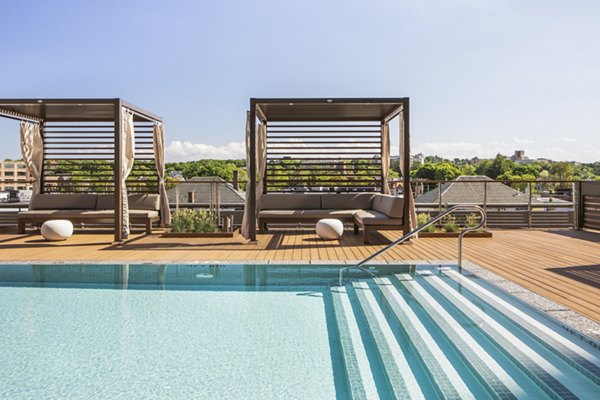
x=261 y=165
x=245 y=229
x=408 y=193
x=128 y=154
x=158 y=132
x=261 y=161
x=32 y=149
x=385 y=157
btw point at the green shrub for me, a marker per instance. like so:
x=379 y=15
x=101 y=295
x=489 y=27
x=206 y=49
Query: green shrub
x=188 y=220
x=472 y=220
x=449 y=224
x=423 y=218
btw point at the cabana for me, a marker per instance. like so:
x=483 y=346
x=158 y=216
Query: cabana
x=106 y=146
x=298 y=145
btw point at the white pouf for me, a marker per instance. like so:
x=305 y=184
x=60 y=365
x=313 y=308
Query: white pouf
x=330 y=229
x=57 y=229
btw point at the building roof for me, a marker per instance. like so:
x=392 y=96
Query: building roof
x=229 y=196
x=72 y=110
x=462 y=190
x=329 y=109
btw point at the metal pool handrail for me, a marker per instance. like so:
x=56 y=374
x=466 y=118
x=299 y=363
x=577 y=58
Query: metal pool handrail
x=451 y=210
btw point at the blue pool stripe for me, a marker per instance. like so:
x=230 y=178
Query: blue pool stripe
x=582 y=360
x=445 y=376
x=496 y=380
x=551 y=379
x=400 y=376
x=360 y=376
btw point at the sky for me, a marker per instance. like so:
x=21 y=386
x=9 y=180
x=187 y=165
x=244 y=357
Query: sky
x=483 y=76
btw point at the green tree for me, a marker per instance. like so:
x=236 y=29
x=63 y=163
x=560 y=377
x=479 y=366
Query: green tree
x=441 y=171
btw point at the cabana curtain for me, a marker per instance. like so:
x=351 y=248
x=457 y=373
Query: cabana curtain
x=408 y=193
x=261 y=157
x=261 y=161
x=128 y=151
x=245 y=229
x=32 y=149
x=159 y=157
x=385 y=158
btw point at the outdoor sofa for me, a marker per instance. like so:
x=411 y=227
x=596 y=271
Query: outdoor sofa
x=367 y=211
x=89 y=208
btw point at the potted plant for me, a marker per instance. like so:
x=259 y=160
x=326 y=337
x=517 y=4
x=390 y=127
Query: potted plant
x=187 y=222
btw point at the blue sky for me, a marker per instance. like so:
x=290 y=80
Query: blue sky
x=483 y=76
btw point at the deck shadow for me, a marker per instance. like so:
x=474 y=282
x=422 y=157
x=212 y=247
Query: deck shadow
x=587 y=274
x=589 y=236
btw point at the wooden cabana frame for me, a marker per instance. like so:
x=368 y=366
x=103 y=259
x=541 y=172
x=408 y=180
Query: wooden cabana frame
x=324 y=110
x=87 y=129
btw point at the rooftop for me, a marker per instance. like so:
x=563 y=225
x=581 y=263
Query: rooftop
x=202 y=192
x=470 y=189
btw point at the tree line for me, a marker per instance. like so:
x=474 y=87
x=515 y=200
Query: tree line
x=434 y=168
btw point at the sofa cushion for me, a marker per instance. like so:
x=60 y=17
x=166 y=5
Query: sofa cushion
x=370 y=217
x=105 y=202
x=136 y=202
x=144 y=202
x=318 y=214
x=60 y=201
x=344 y=201
x=392 y=206
x=83 y=214
x=282 y=214
x=290 y=201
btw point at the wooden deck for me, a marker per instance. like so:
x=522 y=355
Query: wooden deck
x=562 y=265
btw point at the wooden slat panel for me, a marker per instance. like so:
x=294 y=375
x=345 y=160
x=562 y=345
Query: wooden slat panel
x=301 y=155
x=79 y=158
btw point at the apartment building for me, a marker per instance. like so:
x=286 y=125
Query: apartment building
x=13 y=176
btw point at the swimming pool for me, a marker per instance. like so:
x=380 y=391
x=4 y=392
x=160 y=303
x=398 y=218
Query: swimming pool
x=278 y=331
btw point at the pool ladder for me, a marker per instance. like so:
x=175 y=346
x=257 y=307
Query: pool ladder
x=451 y=210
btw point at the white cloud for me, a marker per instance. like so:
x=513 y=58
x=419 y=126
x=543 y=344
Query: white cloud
x=567 y=151
x=462 y=149
x=188 y=151
x=522 y=141
x=568 y=139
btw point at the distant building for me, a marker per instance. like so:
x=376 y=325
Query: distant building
x=519 y=156
x=178 y=175
x=197 y=192
x=464 y=191
x=417 y=159
x=13 y=176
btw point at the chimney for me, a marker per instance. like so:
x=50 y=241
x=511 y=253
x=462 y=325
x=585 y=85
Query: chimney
x=236 y=179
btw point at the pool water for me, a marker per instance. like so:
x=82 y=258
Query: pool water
x=278 y=331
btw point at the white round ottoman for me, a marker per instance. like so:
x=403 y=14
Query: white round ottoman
x=57 y=229
x=330 y=229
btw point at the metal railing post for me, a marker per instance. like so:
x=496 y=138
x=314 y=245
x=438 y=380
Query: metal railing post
x=485 y=200
x=439 y=197
x=529 y=206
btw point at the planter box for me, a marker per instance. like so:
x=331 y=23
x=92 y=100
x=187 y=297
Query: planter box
x=484 y=234
x=198 y=234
